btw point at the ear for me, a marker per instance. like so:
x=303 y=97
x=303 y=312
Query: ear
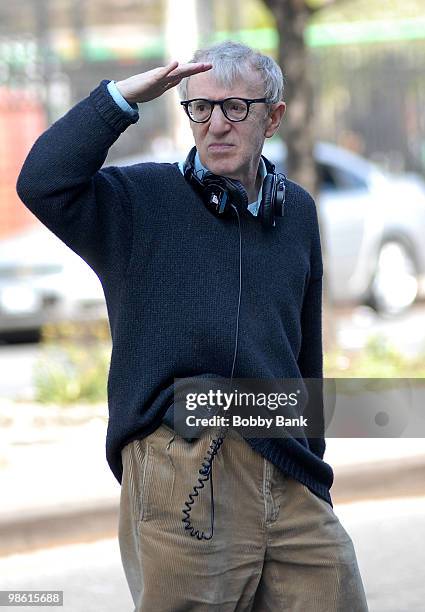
x=274 y=118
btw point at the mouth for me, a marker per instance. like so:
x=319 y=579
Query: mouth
x=219 y=148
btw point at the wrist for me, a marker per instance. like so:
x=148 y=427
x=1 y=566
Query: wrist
x=124 y=91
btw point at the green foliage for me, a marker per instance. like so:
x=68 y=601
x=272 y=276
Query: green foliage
x=364 y=10
x=74 y=363
x=379 y=359
x=256 y=15
x=71 y=373
x=77 y=331
x=242 y=14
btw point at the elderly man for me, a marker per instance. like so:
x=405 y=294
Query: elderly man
x=203 y=276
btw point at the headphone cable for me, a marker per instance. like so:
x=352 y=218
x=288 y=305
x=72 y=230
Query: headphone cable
x=240 y=292
x=205 y=471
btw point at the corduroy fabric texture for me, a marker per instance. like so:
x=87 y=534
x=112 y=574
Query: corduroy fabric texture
x=276 y=546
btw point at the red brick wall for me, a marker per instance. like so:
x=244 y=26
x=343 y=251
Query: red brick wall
x=22 y=120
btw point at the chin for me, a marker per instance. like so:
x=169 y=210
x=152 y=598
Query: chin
x=220 y=168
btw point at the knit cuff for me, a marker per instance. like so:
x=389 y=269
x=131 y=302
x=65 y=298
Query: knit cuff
x=114 y=116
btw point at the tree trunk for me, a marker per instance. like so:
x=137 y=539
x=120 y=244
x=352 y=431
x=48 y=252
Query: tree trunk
x=297 y=127
x=292 y=17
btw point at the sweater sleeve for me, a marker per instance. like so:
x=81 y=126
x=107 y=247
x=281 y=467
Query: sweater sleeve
x=310 y=359
x=133 y=109
x=62 y=183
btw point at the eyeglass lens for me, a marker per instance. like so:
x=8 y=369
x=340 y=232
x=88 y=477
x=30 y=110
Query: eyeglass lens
x=234 y=109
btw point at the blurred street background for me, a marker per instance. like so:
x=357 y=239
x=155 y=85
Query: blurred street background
x=353 y=135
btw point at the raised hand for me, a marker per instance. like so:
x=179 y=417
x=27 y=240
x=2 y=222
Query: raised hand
x=153 y=83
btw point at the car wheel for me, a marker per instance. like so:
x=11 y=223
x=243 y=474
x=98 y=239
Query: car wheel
x=394 y=285
x=28 y=336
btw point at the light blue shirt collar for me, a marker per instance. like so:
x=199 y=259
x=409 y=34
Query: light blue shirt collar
x=253 y=206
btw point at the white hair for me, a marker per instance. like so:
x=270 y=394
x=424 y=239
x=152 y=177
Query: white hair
x=230 y=61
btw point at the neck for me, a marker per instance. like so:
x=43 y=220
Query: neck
x=252 y=186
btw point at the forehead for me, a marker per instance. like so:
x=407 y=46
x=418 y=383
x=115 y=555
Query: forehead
x=205 y=85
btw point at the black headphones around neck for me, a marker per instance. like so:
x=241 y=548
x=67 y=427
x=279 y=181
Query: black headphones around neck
x=220 y=193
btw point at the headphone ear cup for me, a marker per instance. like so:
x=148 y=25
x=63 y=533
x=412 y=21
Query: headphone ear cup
x=224 y=192
x=266 y=211
x=237 y=193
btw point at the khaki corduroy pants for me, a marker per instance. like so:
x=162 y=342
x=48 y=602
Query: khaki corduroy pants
x=276 y=545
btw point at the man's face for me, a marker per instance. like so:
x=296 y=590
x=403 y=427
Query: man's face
x=227 y=148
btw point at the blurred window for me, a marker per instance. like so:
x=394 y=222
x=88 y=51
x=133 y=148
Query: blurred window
x=335 y=177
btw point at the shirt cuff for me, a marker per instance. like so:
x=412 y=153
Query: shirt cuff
x=132 y=109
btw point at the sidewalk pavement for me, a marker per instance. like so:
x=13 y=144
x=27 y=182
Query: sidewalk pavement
x=56 y=486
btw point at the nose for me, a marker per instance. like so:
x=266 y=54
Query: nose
x=218 y=122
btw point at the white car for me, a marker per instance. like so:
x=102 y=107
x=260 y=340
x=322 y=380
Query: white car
x=42 y=280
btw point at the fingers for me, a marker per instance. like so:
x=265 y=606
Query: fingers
x=193 y=68
x=172 y=73
x=171 y=70
x=200 y=66
x=170 y=67
x=186 y=70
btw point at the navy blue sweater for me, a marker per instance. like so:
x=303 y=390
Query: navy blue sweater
x=170 y=273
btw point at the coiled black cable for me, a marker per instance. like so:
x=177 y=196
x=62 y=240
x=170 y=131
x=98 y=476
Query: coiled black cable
x=207 y=463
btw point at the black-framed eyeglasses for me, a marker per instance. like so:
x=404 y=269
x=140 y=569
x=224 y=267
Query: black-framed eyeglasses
x=200 y=110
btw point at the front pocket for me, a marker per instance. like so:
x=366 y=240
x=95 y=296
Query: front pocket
x=146 y=473
x=316 y=498
x=156 y=480
x=134 y=458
